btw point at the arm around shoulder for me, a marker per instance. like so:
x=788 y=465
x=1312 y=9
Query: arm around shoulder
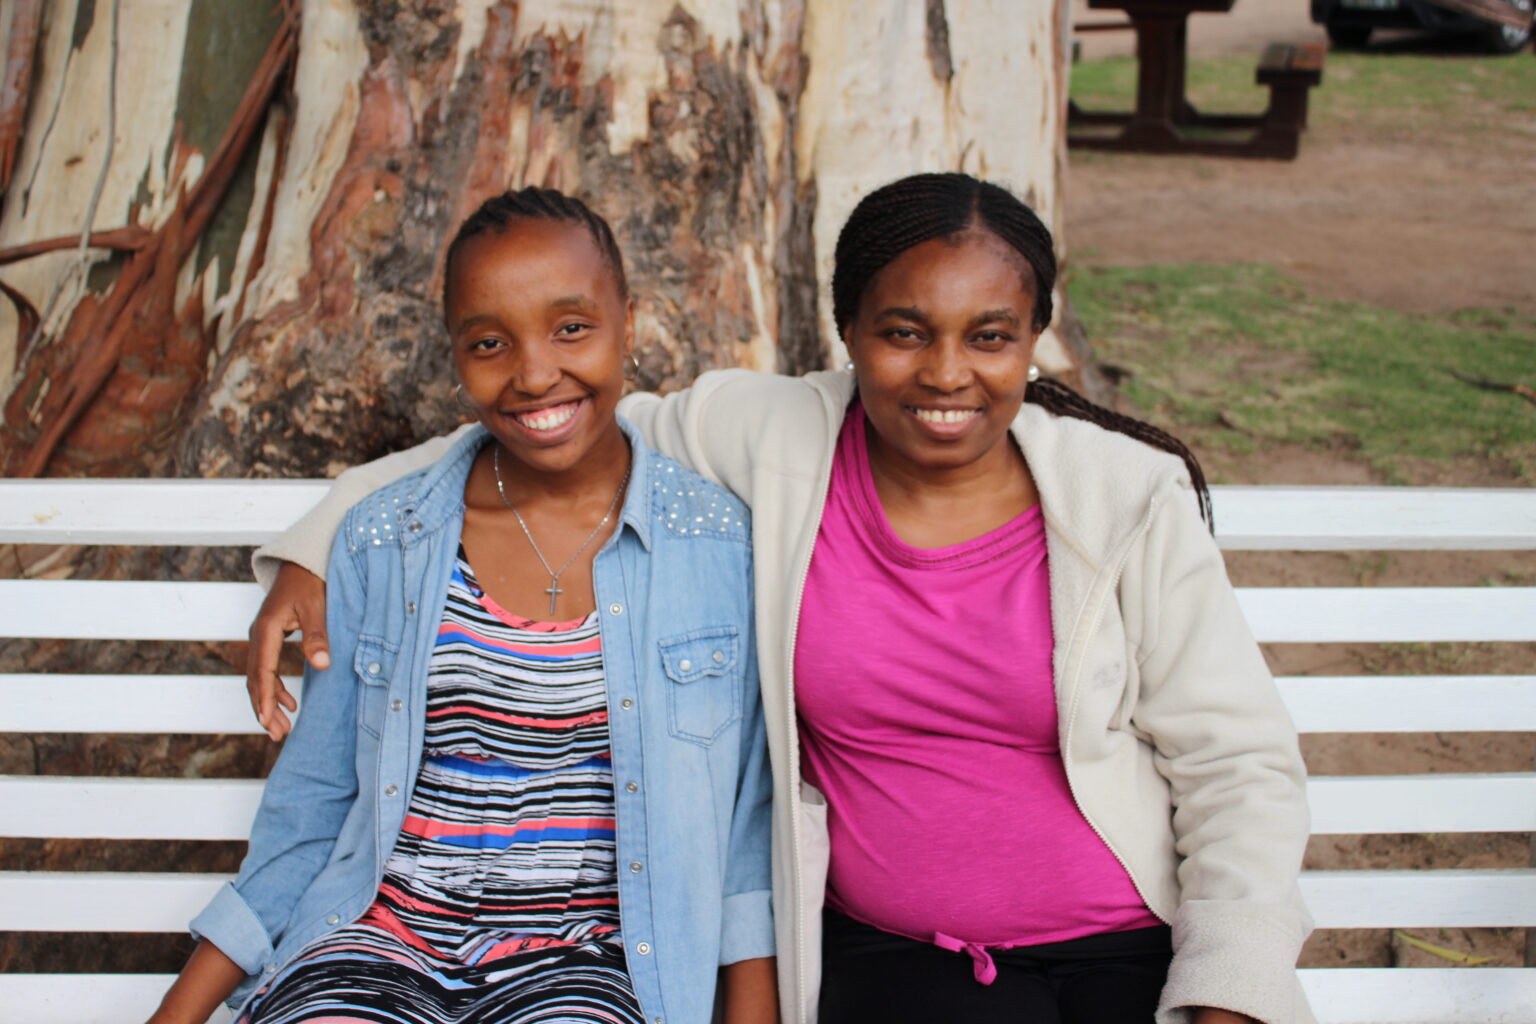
x=722 y=425
x=308 y=541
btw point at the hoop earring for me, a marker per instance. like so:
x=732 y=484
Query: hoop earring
x=632 y=368
x=461 y=399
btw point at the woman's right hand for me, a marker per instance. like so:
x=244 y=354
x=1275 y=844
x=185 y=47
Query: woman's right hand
x=296 y=601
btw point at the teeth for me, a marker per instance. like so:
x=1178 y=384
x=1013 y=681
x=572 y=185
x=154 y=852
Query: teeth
x=549 y=419
x=944 y=415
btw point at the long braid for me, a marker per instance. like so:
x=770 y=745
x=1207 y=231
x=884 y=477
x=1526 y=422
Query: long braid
x=922 y=207
x=1055 y=397
x=498 y=212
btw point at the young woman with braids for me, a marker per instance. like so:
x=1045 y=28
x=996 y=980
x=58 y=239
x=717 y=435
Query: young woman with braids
x=1028 y=762
x=520 y=793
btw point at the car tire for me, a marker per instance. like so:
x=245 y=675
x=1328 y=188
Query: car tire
x=1348 y=38
x=1505 y=39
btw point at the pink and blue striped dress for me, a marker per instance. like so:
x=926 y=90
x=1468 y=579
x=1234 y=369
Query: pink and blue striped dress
x=500 y=899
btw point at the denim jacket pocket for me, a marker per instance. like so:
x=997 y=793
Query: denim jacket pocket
x=704 y=670
x=374 y=664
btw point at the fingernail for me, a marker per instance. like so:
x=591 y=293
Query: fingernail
x=322 y=660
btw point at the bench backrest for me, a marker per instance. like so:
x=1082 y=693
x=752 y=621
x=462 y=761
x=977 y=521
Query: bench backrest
x=161 y=513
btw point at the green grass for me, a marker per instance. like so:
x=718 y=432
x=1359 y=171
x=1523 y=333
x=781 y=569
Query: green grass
x=1371 y=90
x=1243 y=356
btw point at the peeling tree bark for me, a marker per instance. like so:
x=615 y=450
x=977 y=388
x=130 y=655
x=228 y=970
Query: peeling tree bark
x=16 y=85
x=724 y=139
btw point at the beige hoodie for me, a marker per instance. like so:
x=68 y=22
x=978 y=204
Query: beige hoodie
x=1176 y=745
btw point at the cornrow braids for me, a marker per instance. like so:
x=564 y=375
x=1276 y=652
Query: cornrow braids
x=922 y=207
x=497 y=213
x=917 y=209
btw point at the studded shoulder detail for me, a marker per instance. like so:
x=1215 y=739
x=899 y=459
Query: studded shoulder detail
x=688 y=505
x=378 y=518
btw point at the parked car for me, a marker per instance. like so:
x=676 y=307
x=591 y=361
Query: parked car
x=1351 y=22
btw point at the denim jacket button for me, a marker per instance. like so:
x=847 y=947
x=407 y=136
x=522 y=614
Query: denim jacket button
x=395 y=705
x=685 y=665
x=719 y=657
x=271 y=968
x=631 y=787
x=616 y=609
x=643 y=948
x=626 y=703
x=333 y=919
x=410 y=607
x=636 y=866
x=414 y=526
x=391 y=790
x=374 y=668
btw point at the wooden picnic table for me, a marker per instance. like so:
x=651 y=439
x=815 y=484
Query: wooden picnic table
x=1163 y=113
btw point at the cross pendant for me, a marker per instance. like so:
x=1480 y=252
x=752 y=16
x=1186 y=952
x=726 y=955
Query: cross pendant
x=554 y=591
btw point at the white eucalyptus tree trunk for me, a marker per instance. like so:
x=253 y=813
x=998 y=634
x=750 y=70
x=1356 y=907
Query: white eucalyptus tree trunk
x=269 y=300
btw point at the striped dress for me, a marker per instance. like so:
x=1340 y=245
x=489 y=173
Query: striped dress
x=500 y=902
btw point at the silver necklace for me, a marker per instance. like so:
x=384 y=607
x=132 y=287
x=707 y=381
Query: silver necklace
x=553 y=590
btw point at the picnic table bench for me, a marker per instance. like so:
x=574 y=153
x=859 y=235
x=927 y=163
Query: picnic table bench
x=239 y=513
x=1165 y=121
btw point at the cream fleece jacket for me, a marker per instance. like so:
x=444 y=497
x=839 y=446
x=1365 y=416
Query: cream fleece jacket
x=1177 y=747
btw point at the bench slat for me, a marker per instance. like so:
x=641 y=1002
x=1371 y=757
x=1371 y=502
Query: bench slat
x=128 y=609
x=102 y=901
x=209 y=809
x=1460 y=802
x=64 y=901
x=1374 y=518
x=1389 y=614
x=1504 y=898
x=33 y=703
x=1339 y=995
x=1411 y=703
x=1420 y=995
x=153 y=512
x=217 y=704
x=88 y=998
x=69 y=807
x=138 y=610
x=239 y=512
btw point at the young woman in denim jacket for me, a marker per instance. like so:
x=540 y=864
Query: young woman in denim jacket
x=497 y=817
x=1029 y=764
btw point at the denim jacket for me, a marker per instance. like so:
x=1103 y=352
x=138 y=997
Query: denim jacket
x=690 y=765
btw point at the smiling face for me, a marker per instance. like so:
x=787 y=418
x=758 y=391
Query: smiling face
x=941 y=343
x=540 y=331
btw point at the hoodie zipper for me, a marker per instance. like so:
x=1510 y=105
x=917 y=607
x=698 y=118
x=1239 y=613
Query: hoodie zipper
x=823 y=482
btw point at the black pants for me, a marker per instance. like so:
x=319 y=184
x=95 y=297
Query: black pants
x=873 y=977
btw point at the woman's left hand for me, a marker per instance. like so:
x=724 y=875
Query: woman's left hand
x=1211 y=1015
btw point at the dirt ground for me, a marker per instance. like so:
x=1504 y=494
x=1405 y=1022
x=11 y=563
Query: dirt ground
x=1396 y=219
x=1393 y=218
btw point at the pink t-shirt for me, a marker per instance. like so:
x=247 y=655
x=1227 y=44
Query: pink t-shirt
x=928 y=719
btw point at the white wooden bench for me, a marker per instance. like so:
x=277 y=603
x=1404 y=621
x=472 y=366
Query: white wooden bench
x=1250 y=518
